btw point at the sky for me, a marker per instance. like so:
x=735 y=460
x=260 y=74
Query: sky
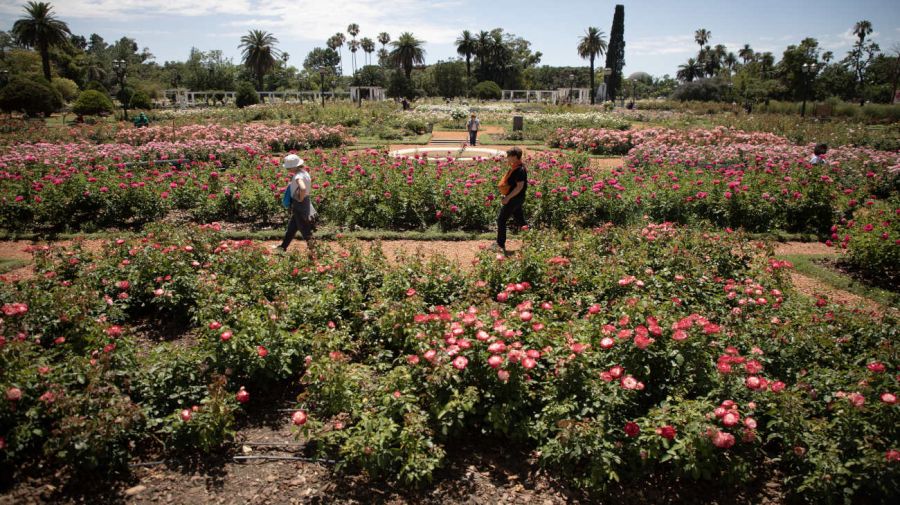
x=658 y=33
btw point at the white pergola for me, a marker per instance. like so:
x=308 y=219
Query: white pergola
x=375 y=93
x=529 y=95
x=574 y=95
x=186 y=98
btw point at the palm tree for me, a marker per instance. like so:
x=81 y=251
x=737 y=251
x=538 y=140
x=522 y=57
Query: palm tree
x=730 y=60
x=259 y=53
x=861 y=29
x=485 y=45
x=827 y=56
x=353 y=30
x=354 y=46
x=746 y=53
x=368 y=45
x=384 y=38
x=766 y=62
x=338 y=41
x=41 y=30
x=689 y=71
x=590 y=46
x=702 y=36
x=407 y=52
x=466 y=45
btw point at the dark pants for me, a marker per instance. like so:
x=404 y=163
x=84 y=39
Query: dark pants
x=512 y=209
x=302 y=215
x=473 y=134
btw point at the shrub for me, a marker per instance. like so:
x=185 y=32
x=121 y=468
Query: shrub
x=872 y=240
x=488 y=90
x=32 y=96
x=704 y=90
x=245 y=94
x=96 y=86
x=140 y=100
x=65 y=87
x=92 y=103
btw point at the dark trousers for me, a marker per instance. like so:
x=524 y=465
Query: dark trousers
x=473 y=134
x=301 y=219
x=512 y=209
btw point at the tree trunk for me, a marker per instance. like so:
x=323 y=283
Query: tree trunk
x=469 y=76
x=45 y=61
x=259 y=84
x=592 y=79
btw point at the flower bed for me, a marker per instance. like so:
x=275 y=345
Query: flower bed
x=274 y=137
x=872 y=240
x=614 y=354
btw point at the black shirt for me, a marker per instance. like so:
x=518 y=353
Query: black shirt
x=518 y=175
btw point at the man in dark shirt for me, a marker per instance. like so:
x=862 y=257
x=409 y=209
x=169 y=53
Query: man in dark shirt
x=513 y=187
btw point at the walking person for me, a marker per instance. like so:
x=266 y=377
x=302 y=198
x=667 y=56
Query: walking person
x=472 y=127
x=303 y=214
x=513 y=187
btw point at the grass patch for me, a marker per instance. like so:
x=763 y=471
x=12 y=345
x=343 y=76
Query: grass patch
x=7 y=264
x=807 y=264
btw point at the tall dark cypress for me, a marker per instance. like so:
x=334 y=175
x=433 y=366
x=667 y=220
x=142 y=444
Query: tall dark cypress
x=615 y=53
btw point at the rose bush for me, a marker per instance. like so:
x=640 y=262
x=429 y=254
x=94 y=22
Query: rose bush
x=612 y=353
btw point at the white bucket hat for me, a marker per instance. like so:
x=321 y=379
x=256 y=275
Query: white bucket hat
x=292 y=161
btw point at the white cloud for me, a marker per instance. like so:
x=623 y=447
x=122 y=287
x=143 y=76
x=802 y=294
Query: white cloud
x=667 y=44
x=304 y=20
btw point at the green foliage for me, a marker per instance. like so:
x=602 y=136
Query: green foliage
x=487 y=90
x=92 y=103
x=872 y=238
x=703 y=90
x=66 y=88
x=245 y=95
x=140 y=100
x=32 y=96
x=615 y=55
x=449 y=78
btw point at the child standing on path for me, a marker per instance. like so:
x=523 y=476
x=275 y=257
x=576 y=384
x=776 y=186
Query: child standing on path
x=472 y=127
x=303 y=214
x=513 y=187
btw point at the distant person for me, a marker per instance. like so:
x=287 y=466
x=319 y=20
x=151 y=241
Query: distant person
x=472 y=127
x=303 y=214
x=513 y=187
x=818 y=157
x=405 y=103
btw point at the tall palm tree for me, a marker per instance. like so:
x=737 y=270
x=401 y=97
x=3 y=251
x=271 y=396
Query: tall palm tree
x=368 y=45
x=827 y=56
x=338 y=40
x=466 y=45
x=40 y=29
x=730 y=60
x=690 y=70
x=353 y=30
x=484 y=49
x=383 y=39
x=702 y=36
x=407 y=52
x=746 y=53
x=590 y=46
x=861 y=29
x=354 y=46
x=766 y=62
x=259 y=53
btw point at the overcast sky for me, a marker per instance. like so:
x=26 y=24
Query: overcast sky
x=658 y=33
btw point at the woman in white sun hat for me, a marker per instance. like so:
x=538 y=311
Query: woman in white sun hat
x=303 y=214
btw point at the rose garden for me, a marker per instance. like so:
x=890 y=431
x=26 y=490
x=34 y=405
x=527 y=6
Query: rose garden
x=654 y=323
